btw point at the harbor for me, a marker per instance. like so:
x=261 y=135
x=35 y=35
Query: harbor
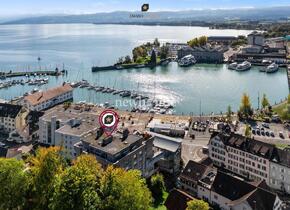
x=185 y=88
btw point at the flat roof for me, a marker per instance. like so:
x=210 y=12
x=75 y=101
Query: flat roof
x=84 y=123
x=116 y=146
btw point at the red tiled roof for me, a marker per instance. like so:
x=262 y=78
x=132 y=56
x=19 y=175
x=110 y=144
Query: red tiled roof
x=39 y=97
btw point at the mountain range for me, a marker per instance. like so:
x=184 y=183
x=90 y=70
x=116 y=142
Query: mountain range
x=123 y=17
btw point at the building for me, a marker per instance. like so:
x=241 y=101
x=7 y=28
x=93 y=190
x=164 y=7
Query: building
x=244 y=156
x=168 y=128
x=11 y=117
x=46 y=99
x=65 y=128
x=122 y=149
x=170 y=148
x=174 y=47
x=231 y=193
x=191 y=174
x=225 y=40
x=256 y=38
x=74 y=131
x=227 y=192
x=280 y=171
x=177 y=200
x=204 y=54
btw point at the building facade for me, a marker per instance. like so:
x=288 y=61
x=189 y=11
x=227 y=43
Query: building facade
x=226 y=192
x=49 y=98
x=246 y=157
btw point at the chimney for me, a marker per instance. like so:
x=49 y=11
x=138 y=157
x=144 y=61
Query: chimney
x=99 y=133
x=125 y=134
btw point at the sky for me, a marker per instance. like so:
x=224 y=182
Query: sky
x=36 y=7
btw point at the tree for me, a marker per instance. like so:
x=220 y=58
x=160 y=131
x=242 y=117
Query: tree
x=246 y=108
x=248 y=131
x=265 y=102
x=153 y=58
x=164 y=51
x=196 y=204
x=156 y=42
x=229 y=113
x=127 y=59
x=14 y=184
x=78 y=186
x=124 y=190
x=157 y=186
x=120 y=60
x=45 y=168
x=140 y=51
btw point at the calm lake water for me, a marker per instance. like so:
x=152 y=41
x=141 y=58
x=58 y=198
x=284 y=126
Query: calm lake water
x=79 y=46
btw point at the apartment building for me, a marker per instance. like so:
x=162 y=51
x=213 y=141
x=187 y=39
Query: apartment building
x=65 y=128
x=244 y=156
x=46 y=99
x=10 y=117
x=227 y=192
x=125 y=150
x=280 y=171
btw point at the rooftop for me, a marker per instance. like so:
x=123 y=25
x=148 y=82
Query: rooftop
x=9 y=110
x=39 y=97
x=114 y=145
x=177 y=200
x=84 y=123
x=249 y=145
x=194 y=170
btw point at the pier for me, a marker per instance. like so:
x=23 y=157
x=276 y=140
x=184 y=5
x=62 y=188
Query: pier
x=30 y=73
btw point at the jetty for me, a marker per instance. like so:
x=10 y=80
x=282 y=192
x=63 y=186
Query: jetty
x=163 y=62
x=30 y=73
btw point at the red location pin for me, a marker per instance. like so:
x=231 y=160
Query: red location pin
x=109 y=120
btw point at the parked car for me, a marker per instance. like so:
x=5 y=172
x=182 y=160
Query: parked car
x=254 y=132
x=258 y=132
x=272 y=134
x=281 y=135
x=265 y=125
x=267 y=133
x=263 y=133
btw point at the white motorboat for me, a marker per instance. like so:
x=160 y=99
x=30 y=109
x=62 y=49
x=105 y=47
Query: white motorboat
x=244 y=66
x=187 y=61
x=272 y=68
x=233 y=66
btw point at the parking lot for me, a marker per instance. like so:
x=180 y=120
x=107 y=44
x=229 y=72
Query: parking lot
x=268 y=132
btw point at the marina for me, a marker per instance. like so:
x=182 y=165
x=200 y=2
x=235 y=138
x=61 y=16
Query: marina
x=185 y=88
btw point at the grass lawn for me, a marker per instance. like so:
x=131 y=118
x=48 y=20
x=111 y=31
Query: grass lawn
x=159 y=205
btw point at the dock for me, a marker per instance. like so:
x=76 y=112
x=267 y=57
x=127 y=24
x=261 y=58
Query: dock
x=29 y=73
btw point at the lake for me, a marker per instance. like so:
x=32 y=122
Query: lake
x=80 y=46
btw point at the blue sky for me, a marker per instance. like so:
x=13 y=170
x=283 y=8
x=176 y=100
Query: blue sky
x=30 y=7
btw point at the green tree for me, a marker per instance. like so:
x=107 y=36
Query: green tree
x=229 y=113
x=124 y=190
x=77 y=187
x=265 y=102
x=45 y=168
x=196 y=204
x=246 y=108
x=157 y=186
x=153 y=58
x=140 y=51
x=156 y=42
x=127 y=59
x=14 y=184
x=248 y=131
x=164 y=51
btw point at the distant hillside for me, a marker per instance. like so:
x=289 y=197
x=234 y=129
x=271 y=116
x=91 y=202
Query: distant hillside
x=218 y=15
